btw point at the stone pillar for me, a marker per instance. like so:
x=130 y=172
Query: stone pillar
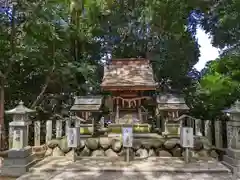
x=67 y=125
x=77 y=122
x=10 y=137
x=140 y=111
x=232 y=157
x=140 y=114
x=165 y=121
x=37 y=133
x=218 y=134
x=28 y=131
x=117 y=112
x=208 y=130
x=20 y=157
x=163 y=124
x=229 y=134
x=49 y=127
x=58 y=129
x=198 y=127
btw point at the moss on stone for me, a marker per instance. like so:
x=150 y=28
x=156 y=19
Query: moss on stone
x=141 y=128
x=85 y=130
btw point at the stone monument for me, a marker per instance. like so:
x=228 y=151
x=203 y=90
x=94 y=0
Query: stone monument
x=232 y=157
x=20 y=156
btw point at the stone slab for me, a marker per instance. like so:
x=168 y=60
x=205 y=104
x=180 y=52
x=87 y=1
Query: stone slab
x=148 y=165
x=234 y=153
x=15 y=171
x=138 y=135
x=18 y=161
x=20 y=153
x=59 y=168
x=93 y=175
x=230 y=160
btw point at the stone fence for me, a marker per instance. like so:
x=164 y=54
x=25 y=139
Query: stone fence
x=43 y=132
x=49 y=139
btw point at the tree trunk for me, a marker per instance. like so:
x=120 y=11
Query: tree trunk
x=2 y=129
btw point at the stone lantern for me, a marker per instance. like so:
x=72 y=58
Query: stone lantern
x=232 y=159
x=19 y=125
x=20 y=157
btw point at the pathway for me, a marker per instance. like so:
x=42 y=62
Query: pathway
x=151 y=169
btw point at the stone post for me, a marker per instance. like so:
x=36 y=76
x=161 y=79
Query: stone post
x=37 y=133
x=198 y=127
x=140 y=111
x=48 y=130
x=20 y=156
x=58 y=129
x=77 y=121
x=117 y=112
x=229 y=134
x=67 y=125
x=10 y=137
x=232 y=159
x=208 y=130
x=218 y=134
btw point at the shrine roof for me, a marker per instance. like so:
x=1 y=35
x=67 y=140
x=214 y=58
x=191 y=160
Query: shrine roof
x=171 y=102
x=87 y=103
x=129 y=74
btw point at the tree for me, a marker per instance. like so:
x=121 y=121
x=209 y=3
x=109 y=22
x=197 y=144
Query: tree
x=59 y=47
x=219 y=85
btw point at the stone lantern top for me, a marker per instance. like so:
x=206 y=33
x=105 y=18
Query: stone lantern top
x=20 y=109
x=234 y=109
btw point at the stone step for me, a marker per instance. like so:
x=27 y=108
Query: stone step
x=126 y=175
x=158 y=167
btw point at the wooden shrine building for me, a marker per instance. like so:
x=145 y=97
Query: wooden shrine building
x=169 y=108
x=126 y=80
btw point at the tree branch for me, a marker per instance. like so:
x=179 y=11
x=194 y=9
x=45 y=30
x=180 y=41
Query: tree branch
x=45 y=86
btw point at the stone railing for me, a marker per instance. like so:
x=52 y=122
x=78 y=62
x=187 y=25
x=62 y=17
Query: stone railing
x=201 y=128
x=213 y=130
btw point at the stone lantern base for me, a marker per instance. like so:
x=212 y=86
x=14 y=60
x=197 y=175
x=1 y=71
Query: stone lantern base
x=232 y=159
x=18 y=162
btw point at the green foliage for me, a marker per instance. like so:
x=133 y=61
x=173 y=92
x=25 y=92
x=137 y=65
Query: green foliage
x=57 y=46
x=219 y=86
x=222 y=22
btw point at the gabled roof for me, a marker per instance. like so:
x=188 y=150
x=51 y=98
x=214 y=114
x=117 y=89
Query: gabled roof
x=171 y=102
x=130 y=74
x=87 y=103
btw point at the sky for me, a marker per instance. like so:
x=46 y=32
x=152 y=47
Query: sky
x=207 y=51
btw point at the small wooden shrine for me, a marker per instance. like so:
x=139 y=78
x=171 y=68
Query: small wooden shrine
x=169 y=108
x=127 y=80
x=87 y=110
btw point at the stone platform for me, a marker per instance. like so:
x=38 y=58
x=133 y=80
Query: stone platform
x=60 y=168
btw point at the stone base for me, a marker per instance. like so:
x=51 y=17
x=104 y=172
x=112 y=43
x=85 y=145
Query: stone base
x=20 y=153
x=232 y=163
x=18 y=162
x=234 y=153
x=135 y=135
x=15 y=171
